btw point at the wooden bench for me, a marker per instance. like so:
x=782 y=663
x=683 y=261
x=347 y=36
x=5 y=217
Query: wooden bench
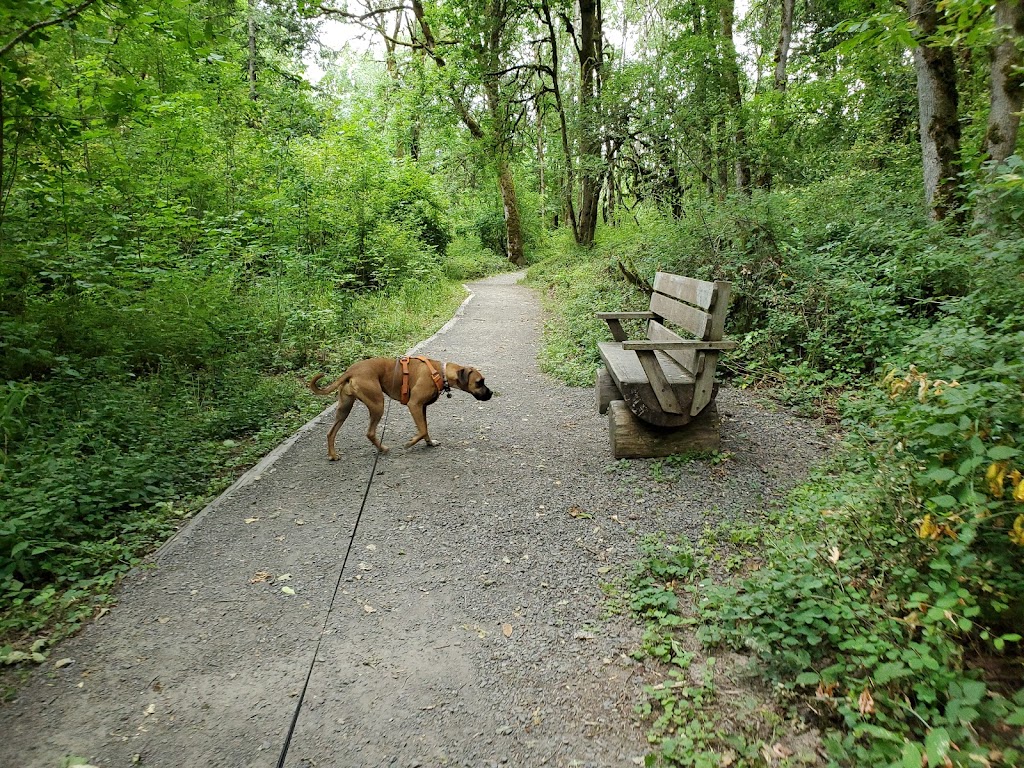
x=660 y=391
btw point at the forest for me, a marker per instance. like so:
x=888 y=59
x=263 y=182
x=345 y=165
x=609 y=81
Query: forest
x=191 y=224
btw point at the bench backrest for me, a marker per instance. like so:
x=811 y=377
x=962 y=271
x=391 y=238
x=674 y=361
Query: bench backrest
x=695 y=306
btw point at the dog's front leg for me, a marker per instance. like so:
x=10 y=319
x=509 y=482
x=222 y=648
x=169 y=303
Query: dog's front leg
x=419 y=416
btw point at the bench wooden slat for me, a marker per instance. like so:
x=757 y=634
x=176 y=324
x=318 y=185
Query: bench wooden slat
x=659 y=382
x=694 y=320
x=625 y=315
x=673 y=344
x=688 y=289
x=704 y=389
x=685 y=357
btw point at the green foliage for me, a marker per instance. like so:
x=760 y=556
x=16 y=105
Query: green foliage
x=887 y=595
x=178 y=251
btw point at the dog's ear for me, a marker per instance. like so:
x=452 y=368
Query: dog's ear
x=463 y=377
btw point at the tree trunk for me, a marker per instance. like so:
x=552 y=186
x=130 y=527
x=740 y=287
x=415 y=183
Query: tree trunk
x=938 y=119
x=568 y=189
x=590 y=52
x=785 y=41
x=730 y=63
x=779 y=84
x=252 y=50
x=1007 y=95
x=513 y=224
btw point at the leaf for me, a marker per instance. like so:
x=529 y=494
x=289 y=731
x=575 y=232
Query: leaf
x=889 y=671
x=807 y=678
x=369 y=608
x=1002 y=452
x=912 y=757
x=65 y=662
x=288 y=590
x=940 y=475
x=506 y=630
x=942 y=429
x=936 y=746
x=250 y=520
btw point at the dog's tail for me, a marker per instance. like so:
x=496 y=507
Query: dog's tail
x=334 y=386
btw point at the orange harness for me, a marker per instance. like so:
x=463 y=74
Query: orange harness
x=440 y=380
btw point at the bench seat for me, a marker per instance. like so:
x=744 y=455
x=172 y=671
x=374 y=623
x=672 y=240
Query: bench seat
x=631 y=379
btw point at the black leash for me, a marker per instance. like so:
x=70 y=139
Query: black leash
x=337 y=587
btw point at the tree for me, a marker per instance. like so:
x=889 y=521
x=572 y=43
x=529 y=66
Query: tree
x=1007 y=81
x=938 y=116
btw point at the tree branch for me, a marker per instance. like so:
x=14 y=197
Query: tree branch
x=66 y=16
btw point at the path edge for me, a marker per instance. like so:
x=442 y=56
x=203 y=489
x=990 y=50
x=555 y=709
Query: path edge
x=254 y=473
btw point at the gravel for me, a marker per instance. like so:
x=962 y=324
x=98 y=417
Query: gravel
x=469 y=626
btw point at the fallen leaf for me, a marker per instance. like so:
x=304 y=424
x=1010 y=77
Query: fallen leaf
x=369 y=608
x=865 y=703
x=371 y=547
x=260 y=576
x=506 y=630
x=365 y=567
x=288 y=590
x=579 y=514
x=780 y=750
x=151 y=709
x=300 y=522
x=285 y=577
x=164 y=619
x=833 y=555
x=63 y=663
x=249 y=520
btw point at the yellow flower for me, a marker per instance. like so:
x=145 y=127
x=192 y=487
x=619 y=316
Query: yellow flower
x=1017 y=533
x=928 y=529
x=995 y=475
x=1018 y=492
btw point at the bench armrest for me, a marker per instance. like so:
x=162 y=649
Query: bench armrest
x=694 y=344
x=626 y=315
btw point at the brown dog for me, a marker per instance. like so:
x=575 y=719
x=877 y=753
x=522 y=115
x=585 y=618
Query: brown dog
x=369 y=380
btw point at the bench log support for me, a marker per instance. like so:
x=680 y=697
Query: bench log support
x=632 y=438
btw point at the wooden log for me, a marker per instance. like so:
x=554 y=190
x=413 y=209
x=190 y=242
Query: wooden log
x=632 y=438
x=605 y=390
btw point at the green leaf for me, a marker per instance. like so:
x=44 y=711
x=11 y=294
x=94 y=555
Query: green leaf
x=911 y=755
x=942 y=429
x=890 y=671
x=936 y=746
x=941 y=475
x=1002 y=452
x=808 y=678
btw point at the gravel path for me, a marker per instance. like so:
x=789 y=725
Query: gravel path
x=469 y=628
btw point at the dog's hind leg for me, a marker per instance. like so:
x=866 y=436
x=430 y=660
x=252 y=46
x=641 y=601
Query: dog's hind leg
x=374 y=402
x=345 y=403
x=419 y=416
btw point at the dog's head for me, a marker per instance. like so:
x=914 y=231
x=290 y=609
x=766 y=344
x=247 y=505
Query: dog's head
x=472 y=381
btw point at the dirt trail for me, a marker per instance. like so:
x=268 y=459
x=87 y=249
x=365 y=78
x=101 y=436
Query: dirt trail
x=469 y=628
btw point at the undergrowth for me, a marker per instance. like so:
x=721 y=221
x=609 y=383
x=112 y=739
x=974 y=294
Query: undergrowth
x=883 y=603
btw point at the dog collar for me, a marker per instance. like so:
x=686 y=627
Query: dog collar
x=446 y=387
